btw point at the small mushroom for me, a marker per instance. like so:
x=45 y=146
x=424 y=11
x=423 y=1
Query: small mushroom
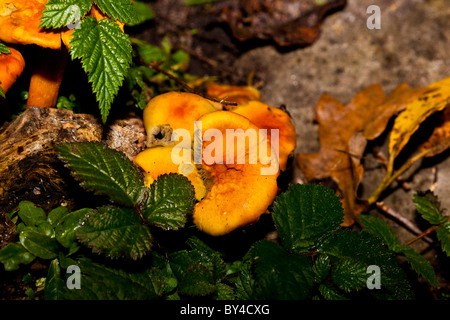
x=11 y=67
x=240 y=193
x=19 y=24
x=178 y=110
x=156 y=161
x=237 y=94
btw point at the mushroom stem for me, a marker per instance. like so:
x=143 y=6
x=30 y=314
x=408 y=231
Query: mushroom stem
x=47 y=77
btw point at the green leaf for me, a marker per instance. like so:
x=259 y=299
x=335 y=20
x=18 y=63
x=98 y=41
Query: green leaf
x=105 y=53
x=104 y=171
x=197 y=281
x=170 y=200
x=61 y=13
x=55 y=216
x=278 y=275
x=419 y=264
x=55 y=286
x=443 y=235
x=321 y=268
x=13 y=255
x=122 y=10
x=200 y=254
x=4 y=49
x=2 y=94
x=224 y=292
x=304 y=214
x=380 y=229
x=368 y=250
x=330 y=292
x=30 y=214
x=67 y=227
x=39 y=244
x=428 y=206
x=143 y=13
x=116 y=232
x=101 y=282
x=350 y=274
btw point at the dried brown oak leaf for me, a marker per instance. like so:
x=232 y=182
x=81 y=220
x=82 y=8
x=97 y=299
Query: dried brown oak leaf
x=343 y=133
x=287 y=22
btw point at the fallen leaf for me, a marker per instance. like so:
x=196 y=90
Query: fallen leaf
x=408 y=121
x=342 y=144
x=287 y=22
x=440 y=138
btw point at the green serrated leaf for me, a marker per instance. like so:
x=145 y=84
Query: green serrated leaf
x=39 y=244
x=428 y=206
x=419 y=264
x=101 y=282
x=369 y=250
x=304 y=214
x=224 y=292
x=122 y=10
x=321 y=268
x=55 y=286
x=103 y=170
x=443 y=235
x=13 y=255
x=116 y=232
x=105 y=53
x=197 y=281
x=330 y=292
x=170 y=200
x=380 y=229
x=277 y=274
x=31 y=214
x=67 y=227
x=4 y=49
x=61 y=13
x=350 y=274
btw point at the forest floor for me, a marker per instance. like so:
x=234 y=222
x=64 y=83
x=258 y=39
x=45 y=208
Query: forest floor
x=411 y=46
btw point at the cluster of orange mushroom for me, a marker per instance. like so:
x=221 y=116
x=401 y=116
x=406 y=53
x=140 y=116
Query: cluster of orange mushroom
x=229 y=194
x=20 y=25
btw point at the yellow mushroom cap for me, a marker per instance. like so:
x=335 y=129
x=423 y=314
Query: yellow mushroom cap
x=11 y=67
x=268 y=117
x=179 y=110
x=238 y=94
x=19 y=24
x=240 y=192
x=157 y=161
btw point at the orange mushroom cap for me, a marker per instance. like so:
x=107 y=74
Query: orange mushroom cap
x=178 y=110
x=157 y=161
x=267 y=117
x=240 y=193
x=11 y=67
x=19 y=24
x=238 y=94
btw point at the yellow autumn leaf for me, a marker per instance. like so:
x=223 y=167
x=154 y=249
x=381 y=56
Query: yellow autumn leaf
x=416 y=112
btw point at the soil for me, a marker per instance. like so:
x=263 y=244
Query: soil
x=411 y=46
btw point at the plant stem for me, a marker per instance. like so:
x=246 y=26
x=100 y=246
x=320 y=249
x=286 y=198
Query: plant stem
x=422 y=235
x=407 y=223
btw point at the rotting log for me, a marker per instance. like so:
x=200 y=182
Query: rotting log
x=29 y=166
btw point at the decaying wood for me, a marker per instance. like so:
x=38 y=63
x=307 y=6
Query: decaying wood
x=29 y=166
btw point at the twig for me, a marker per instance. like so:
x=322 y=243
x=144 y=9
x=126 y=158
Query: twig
x=422 y=235
x=155 y=66
x=396 y=215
